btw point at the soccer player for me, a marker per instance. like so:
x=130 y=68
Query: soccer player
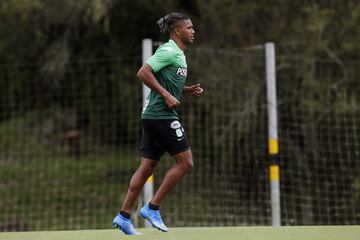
x=165 y=74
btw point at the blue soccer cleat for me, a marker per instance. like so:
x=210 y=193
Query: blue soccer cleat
x=153 y=216
x=125 y=225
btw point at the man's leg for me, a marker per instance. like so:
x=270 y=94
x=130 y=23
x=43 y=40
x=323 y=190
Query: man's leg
x=122 y=221
x=183 y=165
x=137 y=182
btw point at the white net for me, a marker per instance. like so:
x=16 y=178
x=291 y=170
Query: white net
x=69 y=143
x=319 y=129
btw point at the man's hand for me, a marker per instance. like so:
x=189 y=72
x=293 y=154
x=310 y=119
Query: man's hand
x=171 y=101
x=195 y=90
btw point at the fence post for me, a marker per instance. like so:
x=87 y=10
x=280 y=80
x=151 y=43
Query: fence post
x=273 y=143
x=147 y=50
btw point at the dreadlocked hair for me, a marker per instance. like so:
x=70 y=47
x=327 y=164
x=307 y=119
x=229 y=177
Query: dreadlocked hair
x=168 y=22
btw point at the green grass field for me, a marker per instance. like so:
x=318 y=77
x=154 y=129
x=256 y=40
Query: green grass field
x=204 y=233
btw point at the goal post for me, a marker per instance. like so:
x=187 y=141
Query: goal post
x=147 y=50
x=273 y=143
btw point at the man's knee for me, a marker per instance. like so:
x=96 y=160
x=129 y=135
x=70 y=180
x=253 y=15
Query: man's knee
x=187 y=165
x=148 y=166
x=144 y=171
x=185 y=161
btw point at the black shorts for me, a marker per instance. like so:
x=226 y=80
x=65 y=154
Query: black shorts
x=162 y=135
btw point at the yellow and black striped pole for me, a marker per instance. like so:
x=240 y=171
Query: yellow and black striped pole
x=273 y=143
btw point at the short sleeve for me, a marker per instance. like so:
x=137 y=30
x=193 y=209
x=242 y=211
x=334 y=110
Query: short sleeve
x=163 y=57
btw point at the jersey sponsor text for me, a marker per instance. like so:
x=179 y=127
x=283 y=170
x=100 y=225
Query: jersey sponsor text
x=182 y=72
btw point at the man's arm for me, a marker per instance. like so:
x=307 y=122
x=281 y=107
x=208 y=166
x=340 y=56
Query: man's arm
x=146 y=75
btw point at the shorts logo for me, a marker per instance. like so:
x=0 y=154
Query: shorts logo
x=175 y=125
x=179 y=133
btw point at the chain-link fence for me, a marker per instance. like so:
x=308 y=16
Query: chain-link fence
x=69 y=143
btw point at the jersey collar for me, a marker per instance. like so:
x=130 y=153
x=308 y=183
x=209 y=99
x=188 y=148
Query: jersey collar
x=172 y=42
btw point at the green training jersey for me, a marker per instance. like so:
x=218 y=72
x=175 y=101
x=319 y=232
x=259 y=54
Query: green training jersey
x=170 y=69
